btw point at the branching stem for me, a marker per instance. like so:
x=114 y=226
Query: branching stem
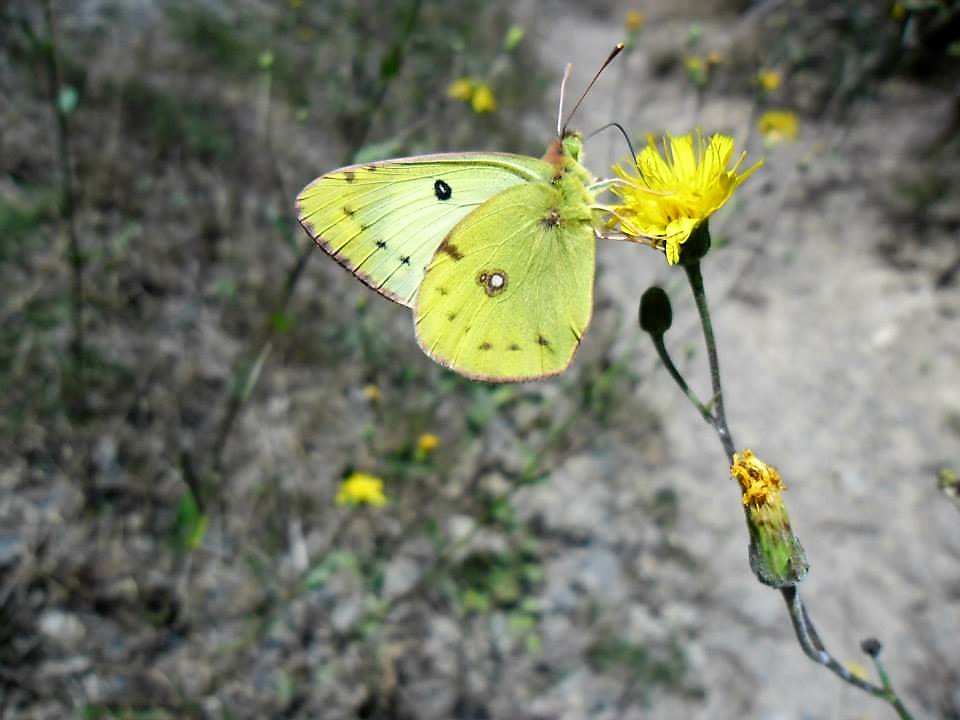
x=715 y=416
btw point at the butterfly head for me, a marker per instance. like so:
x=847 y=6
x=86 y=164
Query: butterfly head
x=572 y=143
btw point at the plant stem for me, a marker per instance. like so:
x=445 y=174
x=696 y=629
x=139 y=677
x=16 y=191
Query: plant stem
x=678 y=378
x=700 y=297
x=814 y=649
x=236 y=401
x=806 y=631
x=75 y=387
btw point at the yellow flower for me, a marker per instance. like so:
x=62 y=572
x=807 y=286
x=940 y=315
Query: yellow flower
x=777 y=126
x=857 y=670
x=761 y=483
x=776 y=556
x=427 y=443
x=483 y=100
x=714 y=57
x=676 y=188
x=697 y=69
x=361 y=489
x=371 y=392
x=461 y=89
x=769 y=80
x=634 y=20
x=898 y=12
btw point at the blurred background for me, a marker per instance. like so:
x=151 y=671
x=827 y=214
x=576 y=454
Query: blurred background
x=185 y=386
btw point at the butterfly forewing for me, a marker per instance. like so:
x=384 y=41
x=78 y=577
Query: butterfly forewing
x=384 y=221
x=509 y=291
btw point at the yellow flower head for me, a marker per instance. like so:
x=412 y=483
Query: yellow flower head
x=676 y=188
x=898 y=12
x=761 y=483
x=769 y=80
x=427 y=443
x=778 y=126
x=634 y=20
x=461 y=89
x=361 y=489
x=371 y=392
x=483 y=100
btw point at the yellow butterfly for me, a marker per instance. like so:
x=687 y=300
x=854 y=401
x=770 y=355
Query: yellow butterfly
x=494 y=252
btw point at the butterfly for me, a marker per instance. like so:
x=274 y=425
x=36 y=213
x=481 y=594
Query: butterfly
x=494 y=252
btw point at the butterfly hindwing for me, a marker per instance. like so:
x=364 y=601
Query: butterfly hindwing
x=384 y=221
x=509 y=291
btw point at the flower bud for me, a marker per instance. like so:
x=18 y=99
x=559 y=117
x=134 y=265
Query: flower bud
x=696 y=246
x=656 y=313
x=776 y=556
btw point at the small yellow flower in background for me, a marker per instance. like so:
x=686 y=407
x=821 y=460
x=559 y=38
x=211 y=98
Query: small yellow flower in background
x=776 y=556
x=898 y=12
x=483 y=100
x=778 y=126
x=634 y=20
x=461 y=89
x=697 y=69
x=296 y=4
x=857 y=670
x=673 y=189
x=478 y=94
x=761 y=483
x=427 y=443
x=371 y=392
x=714 y=57
x=770 y=80
x=361 y=489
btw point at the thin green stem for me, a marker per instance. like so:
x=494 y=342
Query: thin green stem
x=76 y=386
x=236 y=402
x=678 y=378
x=700 y=297
x=806 y=631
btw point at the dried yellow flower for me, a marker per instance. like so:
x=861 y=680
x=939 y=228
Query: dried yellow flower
x=776 y=556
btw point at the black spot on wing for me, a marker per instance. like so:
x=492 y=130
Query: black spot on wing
x=442 y=190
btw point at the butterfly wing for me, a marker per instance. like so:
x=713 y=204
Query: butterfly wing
x=509 y=291
x=384 y=221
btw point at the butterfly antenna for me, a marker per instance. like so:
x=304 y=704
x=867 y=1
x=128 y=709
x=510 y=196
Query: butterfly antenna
x=623 y=132
x=563 y=87
x=618 y=48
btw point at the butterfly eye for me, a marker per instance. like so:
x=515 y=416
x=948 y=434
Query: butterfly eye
x=442 y=190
